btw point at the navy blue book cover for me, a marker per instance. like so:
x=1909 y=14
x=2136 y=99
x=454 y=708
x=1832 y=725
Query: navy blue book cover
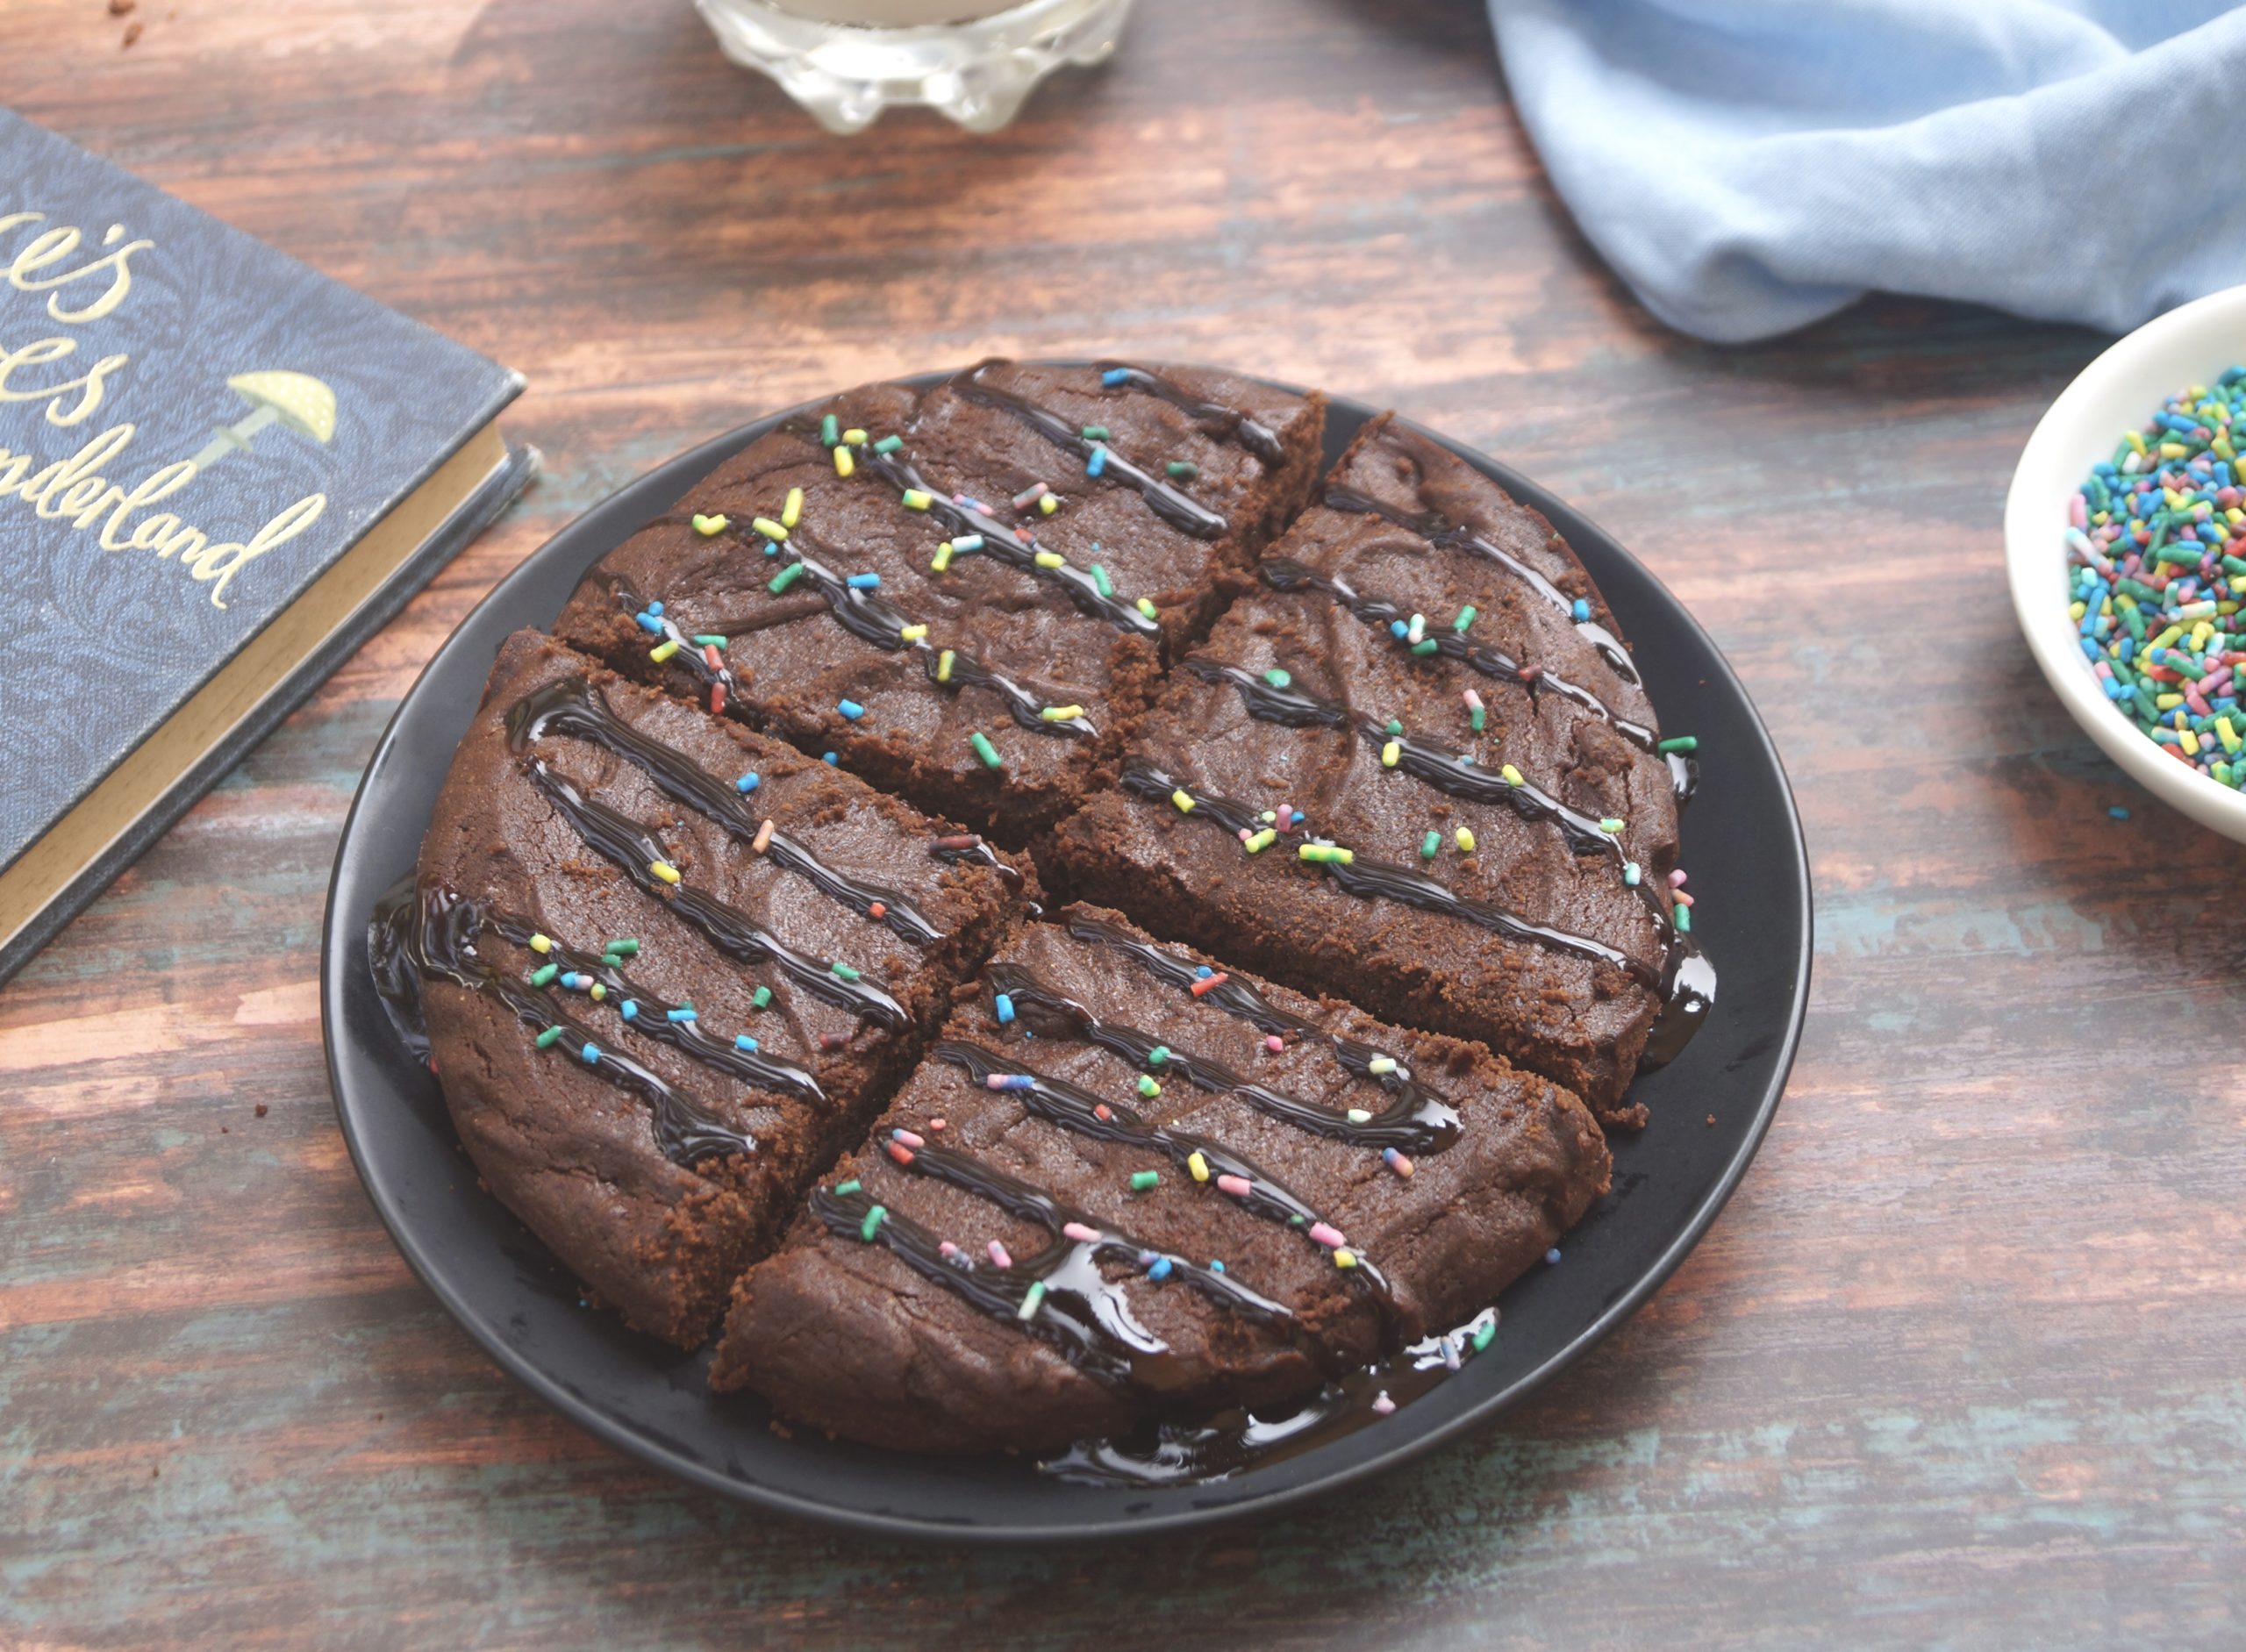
x=193 y=428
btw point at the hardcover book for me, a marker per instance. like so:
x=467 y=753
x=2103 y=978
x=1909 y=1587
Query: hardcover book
x=220 y=472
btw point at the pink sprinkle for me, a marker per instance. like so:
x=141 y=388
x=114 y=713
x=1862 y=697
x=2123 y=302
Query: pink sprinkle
x=1276 y=1044
x=999 y=1255
x=1473 y=701
x=909 y=1138
x=996 y=1080
x=936 y=1124
x=2078 y=513
x=948 y=1249
x=1325 y=1233
x=1238 y=1186
x=1676 y=878
x=1286 y=817
x=1245 y=835
x=1381 y=1405
x=1081 y=1234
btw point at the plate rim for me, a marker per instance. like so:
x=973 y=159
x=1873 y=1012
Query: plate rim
x=660 y=1454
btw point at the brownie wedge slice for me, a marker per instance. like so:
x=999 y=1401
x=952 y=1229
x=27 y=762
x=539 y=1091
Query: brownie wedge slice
x=667 y=968
x=1417 y=767
x=1132 y=1182
x=967 y=595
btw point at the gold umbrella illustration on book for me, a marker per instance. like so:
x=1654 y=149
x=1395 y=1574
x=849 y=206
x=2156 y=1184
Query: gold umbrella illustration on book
x=296 y=400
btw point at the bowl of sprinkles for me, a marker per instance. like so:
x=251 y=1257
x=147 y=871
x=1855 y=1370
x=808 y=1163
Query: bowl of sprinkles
x=2125 y=541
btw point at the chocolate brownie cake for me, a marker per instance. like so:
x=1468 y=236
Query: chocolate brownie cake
x=1418 y=768
x=667 y=968
x=1131 y=1181
x=966 y=595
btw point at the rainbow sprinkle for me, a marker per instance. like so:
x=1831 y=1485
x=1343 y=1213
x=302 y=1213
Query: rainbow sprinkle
x=2156 y=546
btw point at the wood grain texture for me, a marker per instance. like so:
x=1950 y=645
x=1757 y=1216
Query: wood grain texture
x=1965 y=1361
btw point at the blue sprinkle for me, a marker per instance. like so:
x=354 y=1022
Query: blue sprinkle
x=629 y=1008
x=1552 y=1254
x=748 y=782
x=1203 y=972
x=592 y=1053
x=743 y=1040
x=1016 y=1081
x=1582 y=611
x=1160 y=1270
x=684 y=1013
x=1097 y=462
x=850 y=709
x=962 y=543
x=569 y=981
x=2118 y=813
x=1115 y=376
x=828 y=758
x=649 y=623
x=1004 y=1006
x=1215 y=1266
x=1397 y=629
x=771 y=548
x=864 y=582
x=654 y=608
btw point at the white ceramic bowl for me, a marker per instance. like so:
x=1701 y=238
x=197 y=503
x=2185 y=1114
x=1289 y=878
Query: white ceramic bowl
x=2116 y=393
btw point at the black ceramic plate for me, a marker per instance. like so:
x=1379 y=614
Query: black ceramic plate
x=1743 y=843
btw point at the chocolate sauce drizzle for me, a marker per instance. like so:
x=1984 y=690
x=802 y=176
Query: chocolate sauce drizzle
x=1016 y=547
x=1081 y=1309
x=572 y=707
x=732 y=931
x=431 y=933
x=1182 y=512
x=1415 y=1121
x=1061 y=1103
x=1286 y=574
x=1434 y=527
x=1368 y=879
x=1216 y=420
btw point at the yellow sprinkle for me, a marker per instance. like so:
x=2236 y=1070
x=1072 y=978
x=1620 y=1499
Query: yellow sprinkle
x=1048 y=503
x=941 y=559
x=664 y=870
x=1511 y=775
x=1061 y=713
x=2173 y=450
x=2167 y=637
x=663 y=651
x=1198 y=1165
x=913 y=633
x=540 y=943
x=943 y=665
x=1050 y=559
x=2167 y=702
x=1465 y=841
x=2075 y=610
x=918 y=499
x=2189 y=741
x=792 y=513
x=769 y=528
x=2230 y=740
x=1184 y=802
x=843 y=463
x=1345 y=1259
x=709 y=526
x=1388 y=754
x=599 y=992
x=855 y=437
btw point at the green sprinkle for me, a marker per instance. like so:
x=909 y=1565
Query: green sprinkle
x=1425 y=647
x=1158 y=1055
x=1141 y=1180
x=1681 y=743
x=544 y=974
x=709 y=639
x=830 y=429
x=871 y=1225
x=1148 y=1088
x=985 y=750
x=624 y=949
x=784 y=578
x=1466 y=617
x=760 y=998
x=1326 y=854
x=1431 y=846
x=1095 y=433
x=888 y=444
x=843 y=1189
x=1278 y=678
x=1029 y=1302
x=1395 y=725
x=1099 y=581
x=1181 y=470
x=1683 y=920
x=842 y=971
x=549 y=1038
x=1485 y=1333
x=1477 y=717
x=1610 y=826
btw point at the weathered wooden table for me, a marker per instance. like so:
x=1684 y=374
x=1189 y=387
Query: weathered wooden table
x=1965 y=1362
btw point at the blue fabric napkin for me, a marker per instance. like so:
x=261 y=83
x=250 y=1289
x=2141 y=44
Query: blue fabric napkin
x=1749 y=166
